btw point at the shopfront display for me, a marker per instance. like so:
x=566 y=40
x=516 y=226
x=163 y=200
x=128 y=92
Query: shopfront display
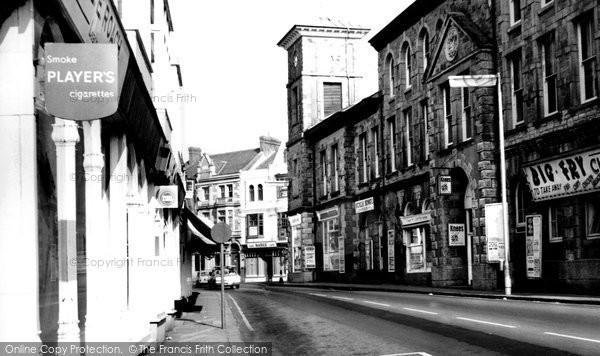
x=415 y=230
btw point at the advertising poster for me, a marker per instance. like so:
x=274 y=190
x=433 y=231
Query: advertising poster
x=309 y=257
x=342 y=257
x=456 y=234
x=533 y=246
x=391 y=257
x=494 y=231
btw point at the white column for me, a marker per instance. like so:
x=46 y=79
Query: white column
x=19 y=303
x=65 y=136
x=97 y=321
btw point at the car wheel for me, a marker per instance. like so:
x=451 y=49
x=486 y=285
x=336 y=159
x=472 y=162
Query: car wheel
x=238 y=286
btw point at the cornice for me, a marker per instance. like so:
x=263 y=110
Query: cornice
x=320 y=31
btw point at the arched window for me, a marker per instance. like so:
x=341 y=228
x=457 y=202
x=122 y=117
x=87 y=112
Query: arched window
x=260 y=192
x=425 y=48
x=391 y=79
x=407 y=65
x=251 y=190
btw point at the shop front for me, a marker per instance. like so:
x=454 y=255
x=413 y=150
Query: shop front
x=265 y=262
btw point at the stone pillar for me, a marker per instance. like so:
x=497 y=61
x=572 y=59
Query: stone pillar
x=65 y=136
x=19 y=303
x=97 y=322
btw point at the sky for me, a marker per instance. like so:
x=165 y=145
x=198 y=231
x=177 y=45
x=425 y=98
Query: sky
x=235 y=74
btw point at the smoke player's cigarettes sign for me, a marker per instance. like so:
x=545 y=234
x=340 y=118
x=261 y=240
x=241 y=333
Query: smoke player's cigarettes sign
x=81 y=80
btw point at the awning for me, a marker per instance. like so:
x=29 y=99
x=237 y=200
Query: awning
x=200 y=227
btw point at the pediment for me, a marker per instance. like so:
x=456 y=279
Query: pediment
x=461 y=38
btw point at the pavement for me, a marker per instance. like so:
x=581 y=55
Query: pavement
x=203 y=322
x=458 y=292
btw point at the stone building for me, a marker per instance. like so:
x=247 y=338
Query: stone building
x=547 y=51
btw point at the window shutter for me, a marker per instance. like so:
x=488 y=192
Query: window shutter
x=332 y=97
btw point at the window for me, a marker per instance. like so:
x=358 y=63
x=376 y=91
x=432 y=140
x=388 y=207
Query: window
x=516 y=89
x=416 y=249
x=392 y=145
x=189 y=185
x=206 y=215
x=587 y=59
x=466 y=114
x=206 y=193
x=251 y=191
x=330 y=233
x=375 y=138
x=151 y=47
x=260 y=192
x=515 y=11
x=222 y=190
x=332 y=97
x=426 y=126
x=294 y=181
x=522 y=200
x=230 y=218
x=447 y=116
x=549 y=70
x=391 y=79
x=363 y=159
x=221 y=216
x=254 y=224
x=323 y=162
x=282 y=227
x=592 y=218
x=151 y=12
x=407 y=65
x=554 y=223
x=408 y=139
x=230 y=190
x=546 y=2
x=425 y=48
x=334 y=168
x=295 y=105
x=251 y=266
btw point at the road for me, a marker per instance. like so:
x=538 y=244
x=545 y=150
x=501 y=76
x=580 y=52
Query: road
x=304 y=321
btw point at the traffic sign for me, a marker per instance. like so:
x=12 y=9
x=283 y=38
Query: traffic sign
x=220 y=232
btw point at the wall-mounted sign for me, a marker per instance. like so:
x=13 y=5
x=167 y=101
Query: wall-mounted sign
x=81 y=80
x=533 y=246
x=166 y=196
x=262 y=244
x=571 y=175
x=391 y=253
x=309 y=256
x=328 y=214
x=253 y=231
x=295 y=219
x=364 y=205
x=444 y=185
x=417 y=219
x=494 y=231
x=342 y=253
x=456 y=234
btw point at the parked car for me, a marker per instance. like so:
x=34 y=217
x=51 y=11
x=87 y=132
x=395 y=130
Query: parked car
x=231 y=278
x=203 y=277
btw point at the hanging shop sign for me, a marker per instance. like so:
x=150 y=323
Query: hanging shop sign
x=571 y=175
x=456 y=234
x=533 y=246
x=295 y=219
x=342 y=253
x=267 y=244
x=494 y=231
x=81 y=80
x=364 y=205
x=391 y=253
x=444 y=185
x=309 y=257
x=166 y=196
x=417 y=219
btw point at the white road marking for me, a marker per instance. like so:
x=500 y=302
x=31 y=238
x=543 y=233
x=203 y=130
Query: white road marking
x=486 y=322
x=421 y=311
x=318 y=295
x=242 y=314
x=572 y=337
x=375 y=303
x=410 y=353
x=344 y=298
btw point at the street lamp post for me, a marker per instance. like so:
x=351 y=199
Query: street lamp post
x=489 y=80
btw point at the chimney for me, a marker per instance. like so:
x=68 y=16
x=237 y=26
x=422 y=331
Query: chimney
x=195 y=154
x=269 y=144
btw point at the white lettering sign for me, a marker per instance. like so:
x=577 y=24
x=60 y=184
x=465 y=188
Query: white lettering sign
x=309 y=257
x=533 y=245
x=494 y=231
x=364 y=205
x=391 y=253
x=456 y=234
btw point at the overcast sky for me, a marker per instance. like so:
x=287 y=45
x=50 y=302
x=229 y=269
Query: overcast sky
x=232 y=66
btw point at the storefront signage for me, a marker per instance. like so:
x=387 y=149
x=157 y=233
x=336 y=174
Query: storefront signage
x=391 y=253
x=166 y=196
x=494 y=231
x=253 y=231
x=327 y=214
x=571 y=175
x=295 y=219
x=309 y=257
x=444 y=185
x=364 y=205
x=533 y=246
x=262 y=244
x=81 y=80
x=418 y=219
x=456 y=234
x=342 y=254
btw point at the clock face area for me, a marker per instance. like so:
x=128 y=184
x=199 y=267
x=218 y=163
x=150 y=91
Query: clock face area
x=451 y=44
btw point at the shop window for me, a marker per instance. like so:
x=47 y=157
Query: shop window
x=254 y=225
x=251 y=266
x=554 y=225
x=592 y=217
x=279 y=266
x=330 y=232
x=416 y=255
x=587 y=58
